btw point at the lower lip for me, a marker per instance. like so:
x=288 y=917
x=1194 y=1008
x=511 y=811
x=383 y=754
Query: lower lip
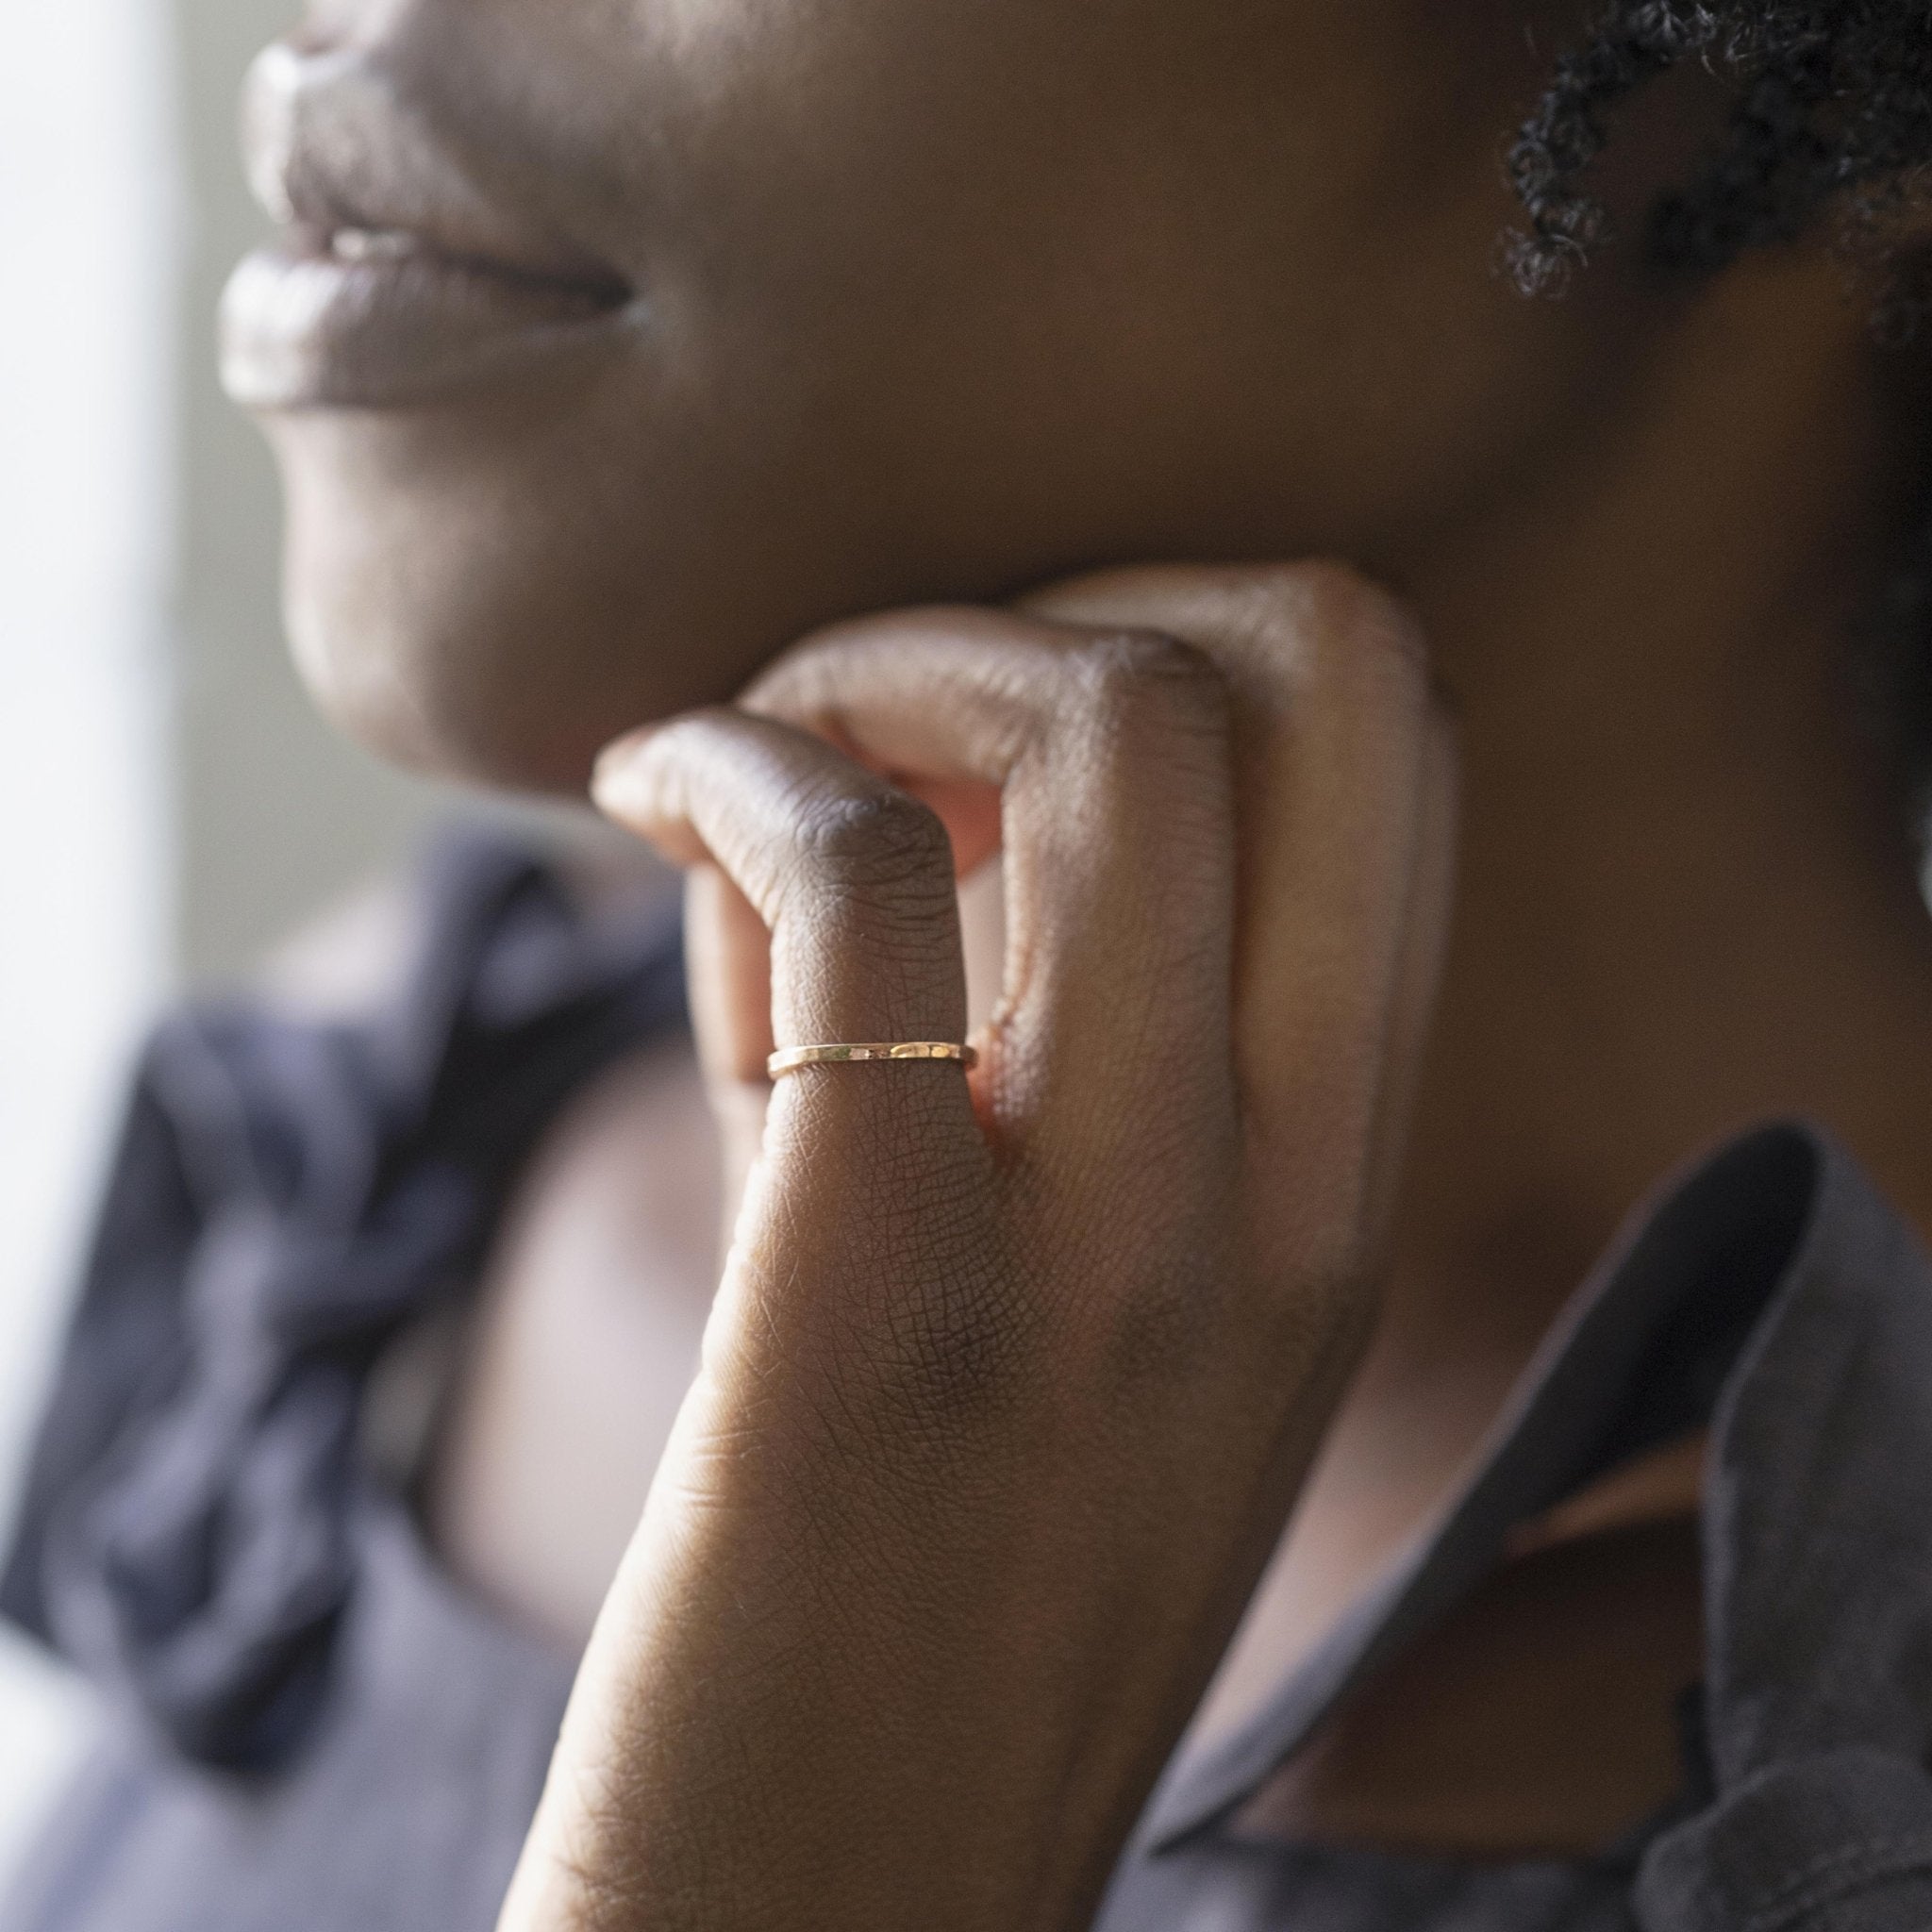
x=320 y=331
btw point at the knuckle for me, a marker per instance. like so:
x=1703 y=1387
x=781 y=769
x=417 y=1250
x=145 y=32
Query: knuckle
x=1129 y=678
x=1337 y=607
x=876 y=839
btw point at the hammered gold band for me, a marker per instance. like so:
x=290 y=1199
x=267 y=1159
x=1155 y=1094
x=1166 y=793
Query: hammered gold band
x=791 y=1058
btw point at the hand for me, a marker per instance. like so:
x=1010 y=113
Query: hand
x=1011 y=1380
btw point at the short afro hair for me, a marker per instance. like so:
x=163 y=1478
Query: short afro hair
x=1834 y=112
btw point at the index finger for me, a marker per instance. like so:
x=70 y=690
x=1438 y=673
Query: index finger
x=1109 y=749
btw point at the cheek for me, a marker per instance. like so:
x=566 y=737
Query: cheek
x=497 y=589
x=489 y=597
x=915 y=332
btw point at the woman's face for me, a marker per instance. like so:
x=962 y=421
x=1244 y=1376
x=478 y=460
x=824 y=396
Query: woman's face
x=612 y=344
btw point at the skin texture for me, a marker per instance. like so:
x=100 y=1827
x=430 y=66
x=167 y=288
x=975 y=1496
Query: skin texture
x=940 y=1293
x=930 y=308
x=937 y=304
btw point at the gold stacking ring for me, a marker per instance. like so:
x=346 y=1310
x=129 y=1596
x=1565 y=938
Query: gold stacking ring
x=792 y=1058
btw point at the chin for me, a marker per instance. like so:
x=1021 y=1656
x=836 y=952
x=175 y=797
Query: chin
x=456 y=659
x=408 y=680
x=496 y=609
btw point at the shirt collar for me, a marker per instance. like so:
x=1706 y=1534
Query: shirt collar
x=1770 y=1293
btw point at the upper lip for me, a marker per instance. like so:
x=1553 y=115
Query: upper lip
x=339 y=154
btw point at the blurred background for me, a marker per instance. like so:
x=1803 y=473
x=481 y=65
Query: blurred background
x=169 y=805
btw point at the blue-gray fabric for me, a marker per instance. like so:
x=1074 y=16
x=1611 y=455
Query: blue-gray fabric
x=315 y=1730
x=288 y=1198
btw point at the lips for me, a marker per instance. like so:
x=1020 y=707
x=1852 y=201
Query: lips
x=396 y=276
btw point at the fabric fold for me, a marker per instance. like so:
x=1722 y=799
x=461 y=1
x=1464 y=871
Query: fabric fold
x=287 y=1198
x=1841 y=1841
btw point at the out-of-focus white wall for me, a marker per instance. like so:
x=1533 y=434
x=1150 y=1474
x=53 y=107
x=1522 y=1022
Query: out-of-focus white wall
x=168 y=803
x=276 y=814
x=88 y=218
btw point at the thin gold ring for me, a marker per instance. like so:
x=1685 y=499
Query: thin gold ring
x=791 y=1058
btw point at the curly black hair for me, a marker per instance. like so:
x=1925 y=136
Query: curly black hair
x=1832 y=119
x=1834 y=111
